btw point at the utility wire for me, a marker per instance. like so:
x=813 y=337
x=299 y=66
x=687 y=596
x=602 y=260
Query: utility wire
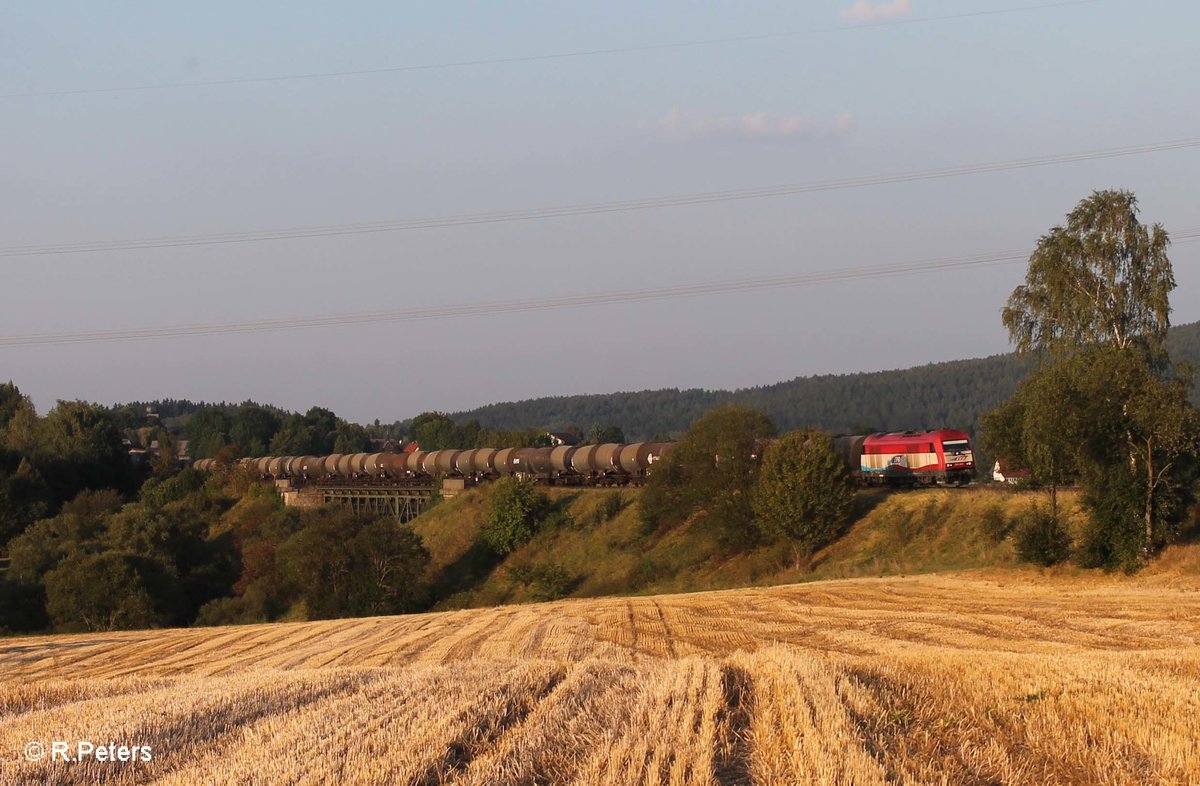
x=538 y=304
x=550 y=56
x=591 y=208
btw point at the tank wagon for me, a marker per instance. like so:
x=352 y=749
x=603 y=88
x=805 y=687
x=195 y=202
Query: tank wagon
x=610 y=464
x=909 y=458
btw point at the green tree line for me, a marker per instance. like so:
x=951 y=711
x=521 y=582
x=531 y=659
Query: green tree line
x=198 y=548
x=953 y=394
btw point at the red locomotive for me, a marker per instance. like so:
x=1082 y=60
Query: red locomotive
x=908 y=458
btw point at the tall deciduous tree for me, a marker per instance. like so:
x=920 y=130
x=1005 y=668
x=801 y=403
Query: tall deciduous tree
x=253 y=427
x=78 y=445
x=24 y=497
x=599 y=435
x=107 y=591
x=341 y=564
x=1038 y=429
x=324 y=428
x=1097 y=296
x=351 y=438
x=21 y=430
x=711 y=469
x=207 y=431
x=294 y=438
x=1104 y=278
x=434 y=431
x=11 y=400
x=803 y=491
x=1137 y=436
x=389 y=563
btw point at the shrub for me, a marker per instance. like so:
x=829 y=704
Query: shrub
x=995 y=524
x=155 y=493
x=647 y=571
x=514 y=516
x=609 y=508
x=552 y=582
x=546 y=582
x=1041 y=538
x=558 y=519
x=229 y=611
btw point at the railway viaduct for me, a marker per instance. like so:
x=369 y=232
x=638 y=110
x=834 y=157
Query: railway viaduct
x=402 y=501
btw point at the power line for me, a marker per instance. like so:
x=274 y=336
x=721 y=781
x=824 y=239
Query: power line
x=537 y=304
x=591 y=208
x=550 y=56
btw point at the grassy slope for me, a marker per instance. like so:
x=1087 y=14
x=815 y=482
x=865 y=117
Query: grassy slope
x=895 y=534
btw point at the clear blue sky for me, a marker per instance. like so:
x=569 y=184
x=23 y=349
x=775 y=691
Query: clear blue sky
x=854 y=102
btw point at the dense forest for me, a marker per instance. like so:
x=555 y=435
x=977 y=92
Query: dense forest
x=91 y=539
x=953 y=394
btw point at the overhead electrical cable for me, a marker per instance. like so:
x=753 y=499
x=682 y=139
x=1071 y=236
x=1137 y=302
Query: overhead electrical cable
x=591 y=208
x=548 y=56
x=537 y=304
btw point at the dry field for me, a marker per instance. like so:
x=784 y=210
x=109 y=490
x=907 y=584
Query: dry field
x=933 y=679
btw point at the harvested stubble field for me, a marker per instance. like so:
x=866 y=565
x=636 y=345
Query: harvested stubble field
x=935 y=679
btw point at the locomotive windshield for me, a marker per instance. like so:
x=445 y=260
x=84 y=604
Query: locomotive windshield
x=956 y=445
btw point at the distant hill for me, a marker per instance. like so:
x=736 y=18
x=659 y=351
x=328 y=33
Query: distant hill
x=952 y=394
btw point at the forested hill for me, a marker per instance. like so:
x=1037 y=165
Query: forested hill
x=952 y=394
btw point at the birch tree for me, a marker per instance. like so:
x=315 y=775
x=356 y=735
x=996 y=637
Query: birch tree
x=1103 y=278
x=1096 y=306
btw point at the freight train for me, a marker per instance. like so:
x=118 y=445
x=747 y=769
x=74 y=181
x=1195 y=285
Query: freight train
x=942 y=457
x=609 y=464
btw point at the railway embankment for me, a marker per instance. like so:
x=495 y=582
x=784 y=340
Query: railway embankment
x=591 y=547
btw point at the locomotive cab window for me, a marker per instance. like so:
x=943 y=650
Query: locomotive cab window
x=954 y=446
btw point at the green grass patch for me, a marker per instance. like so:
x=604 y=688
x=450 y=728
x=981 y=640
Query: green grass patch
x=594 y=544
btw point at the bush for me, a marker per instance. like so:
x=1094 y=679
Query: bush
x=1042 y=539
x=609 y=508
x=108 y=591
x=514 y=516
x=155 y=493
x=341 y=564
x=995 y=524
x=546 y=582
x=647 y=572
x=557 y=519
x=230 y=611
